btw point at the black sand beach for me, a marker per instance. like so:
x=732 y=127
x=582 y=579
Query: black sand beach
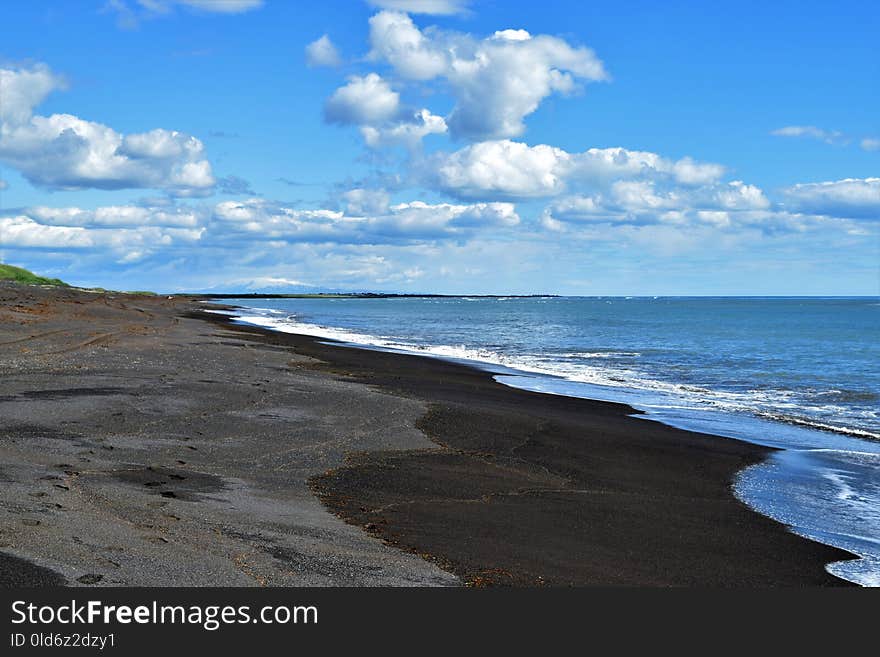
x=146 y=442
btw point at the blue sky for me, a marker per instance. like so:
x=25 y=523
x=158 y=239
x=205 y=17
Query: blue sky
x=443 y=145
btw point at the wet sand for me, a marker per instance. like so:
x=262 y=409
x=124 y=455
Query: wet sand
x=146 y=442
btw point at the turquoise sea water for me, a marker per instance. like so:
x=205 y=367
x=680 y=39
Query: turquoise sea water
x=796 y=373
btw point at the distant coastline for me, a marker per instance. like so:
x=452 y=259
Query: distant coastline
x=361 y=295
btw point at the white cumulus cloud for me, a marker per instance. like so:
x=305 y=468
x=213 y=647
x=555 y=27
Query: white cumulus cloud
x=368 y=219
x=126 y=232
x=322 y=52
x=22 y=89
x=729 y=208
x=369 y=102
x=364 y=100
x=118 y=216
x=63 y=151
x=23 y=232
x=496 y=81
x=642 y=202
x=513 y=169
x=366 y=201
x=131 y=233
x=855 y=198
x=407 y=131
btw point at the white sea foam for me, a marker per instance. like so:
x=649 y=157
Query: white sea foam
x=601 y=354
x=777 y=405
x=861 y=458
x=822 y=426
x=840 y=480
x=864 y=571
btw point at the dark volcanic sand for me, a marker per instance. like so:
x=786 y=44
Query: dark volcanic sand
x=15 y=572
x=144 y=442
x=142 y=448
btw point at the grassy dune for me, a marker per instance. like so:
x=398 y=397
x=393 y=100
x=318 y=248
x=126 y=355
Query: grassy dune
x=19 y=275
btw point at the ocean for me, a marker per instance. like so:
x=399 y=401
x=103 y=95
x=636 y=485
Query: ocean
x=800 y=374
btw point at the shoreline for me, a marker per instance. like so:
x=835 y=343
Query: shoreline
x=641 y=394
x=813 y=485
x=360 y=481
x=495 y=485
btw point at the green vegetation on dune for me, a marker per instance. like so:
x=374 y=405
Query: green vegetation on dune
x=19 y=275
